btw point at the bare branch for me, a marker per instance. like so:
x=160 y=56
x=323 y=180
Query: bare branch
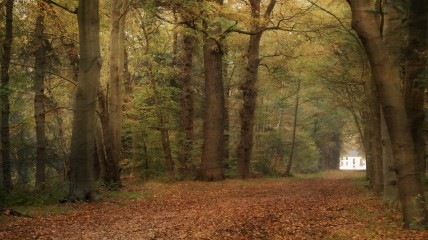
x=278 y=55
x=338 y=20
x=269 y=8
x=61 y=6
x=48 y=72
x=62 y=77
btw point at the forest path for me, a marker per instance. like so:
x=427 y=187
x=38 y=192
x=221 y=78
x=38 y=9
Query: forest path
x=333 y=206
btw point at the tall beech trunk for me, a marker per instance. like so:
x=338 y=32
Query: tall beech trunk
x=187 y=104
x=293 y=136
x=39 y=95
x=82 y=180
x=110 y=175
x=4 y=98
x=249 y=89
x=414 y=79
x=390 y=193
x=249 y=94
x=374 y=133
x=367 y=143
x=113 y=119
x=408 y=176
x=211 y=168
x=226 y=80
x=392 y=31
x=100 y=148
x=376 y=147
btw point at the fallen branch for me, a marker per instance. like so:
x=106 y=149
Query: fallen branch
x=11 y=212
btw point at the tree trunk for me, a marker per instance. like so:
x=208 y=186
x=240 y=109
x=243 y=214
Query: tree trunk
x=82 y=181
x=249 y=89
x=409 y=180
x=414 y=79
x=101 y=154
x=367 y=144
x=227 y=86
x=393 y=35
x=113 y=118
x=127 y=77
x=39 y=95
x=390 y=194
x=211 y=168
x=4 y=98
x=334 y=159
x=293 y=137
x=375 y=149
x=249 y=95
x=111 y=175
x=393 y=30
x=187 y=104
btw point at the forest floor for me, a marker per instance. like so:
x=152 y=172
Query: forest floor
x=335 y=205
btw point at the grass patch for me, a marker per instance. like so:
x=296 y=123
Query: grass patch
x=362 y=213
x=293 y=177
x=129 y=195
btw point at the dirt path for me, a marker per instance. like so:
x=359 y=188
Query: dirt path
x=317 y=208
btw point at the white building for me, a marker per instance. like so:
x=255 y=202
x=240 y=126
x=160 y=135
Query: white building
x=352 y=163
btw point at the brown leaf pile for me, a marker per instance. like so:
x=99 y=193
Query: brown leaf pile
x=318 y=208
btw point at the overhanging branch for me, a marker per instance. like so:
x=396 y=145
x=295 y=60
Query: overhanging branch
x=338 y=20
x=61 y=6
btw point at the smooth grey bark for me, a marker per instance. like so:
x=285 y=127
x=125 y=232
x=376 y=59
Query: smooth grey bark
x=390 y=192
x=112 y=122
x=374 y=137
x=408 y=176
x=100 y=148
x=82 y=180
x=110 y=173
x=392 y=31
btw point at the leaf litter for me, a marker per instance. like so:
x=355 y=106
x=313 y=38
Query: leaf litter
x=331 y=207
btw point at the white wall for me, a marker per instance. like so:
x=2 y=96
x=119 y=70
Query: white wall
x=352 y=163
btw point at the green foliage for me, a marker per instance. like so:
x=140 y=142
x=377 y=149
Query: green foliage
x=54 y=192
x=269 y=154
x=306 y=156
x=127 y=195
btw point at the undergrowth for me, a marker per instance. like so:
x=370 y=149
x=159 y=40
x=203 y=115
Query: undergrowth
x=32 y=197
